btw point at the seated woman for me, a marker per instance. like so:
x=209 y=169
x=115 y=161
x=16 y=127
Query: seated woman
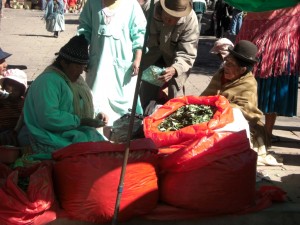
x=236 y=82
x=58 y=109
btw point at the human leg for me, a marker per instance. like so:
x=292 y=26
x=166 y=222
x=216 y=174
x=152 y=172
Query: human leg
x=219 y=28
x=270 y=122
x=233 y=24
x=172 y=89
x=148 y=92
x=199 y=16
x=239 y=22
x=1 y=9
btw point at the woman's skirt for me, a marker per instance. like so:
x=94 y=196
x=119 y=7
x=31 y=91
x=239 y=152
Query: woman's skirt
x=278 y=94
x=56 y=22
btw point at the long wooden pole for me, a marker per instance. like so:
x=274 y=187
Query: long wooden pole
x=132 y=117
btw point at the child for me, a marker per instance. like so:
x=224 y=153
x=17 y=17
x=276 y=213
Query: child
x=14 y=83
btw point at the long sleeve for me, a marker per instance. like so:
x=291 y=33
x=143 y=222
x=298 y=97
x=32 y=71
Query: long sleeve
x=49 y=105
x=85 y=21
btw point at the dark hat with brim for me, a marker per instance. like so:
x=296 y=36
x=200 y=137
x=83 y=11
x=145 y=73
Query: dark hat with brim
x=245 y=51
x=176 y=8
x=3 y=54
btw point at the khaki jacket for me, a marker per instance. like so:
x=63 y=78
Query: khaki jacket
x=177 y=45
x=241 y=93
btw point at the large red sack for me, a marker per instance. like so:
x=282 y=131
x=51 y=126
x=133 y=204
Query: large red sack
x=213 y=175
x=18 y=207
x=87 y=177
x=222 y=116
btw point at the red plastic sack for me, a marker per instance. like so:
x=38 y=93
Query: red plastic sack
x=18 y=207
x=9 y=154
x=221 y=179
x=87 y=177
x=222 y=116
x=197 y=153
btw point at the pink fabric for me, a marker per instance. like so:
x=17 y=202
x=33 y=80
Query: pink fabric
x=277 y=36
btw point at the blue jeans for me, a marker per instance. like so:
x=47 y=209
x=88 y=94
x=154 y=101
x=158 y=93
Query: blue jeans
x=236 y=22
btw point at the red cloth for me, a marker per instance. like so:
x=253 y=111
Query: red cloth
x=277 y=36
x=72 y=3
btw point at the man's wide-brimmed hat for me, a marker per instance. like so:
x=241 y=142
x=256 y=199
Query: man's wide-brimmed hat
x=177 y=8
x=245 y=51
x=3 y=54
x=76 y=50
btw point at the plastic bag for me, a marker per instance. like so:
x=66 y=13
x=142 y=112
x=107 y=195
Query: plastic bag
x=220 y=170
x=22 y=207
x=222 y=116
x=119 y=130
x=151 y=75
x=87 y=175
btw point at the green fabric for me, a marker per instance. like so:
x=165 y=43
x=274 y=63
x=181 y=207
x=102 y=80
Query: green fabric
x=113 y=42
x=261 y=5
x=50 y=117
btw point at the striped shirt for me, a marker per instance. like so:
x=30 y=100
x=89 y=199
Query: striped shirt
x=10 y=112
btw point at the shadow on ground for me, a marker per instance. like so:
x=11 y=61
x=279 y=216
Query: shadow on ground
x=35 y=35
x=71 y=21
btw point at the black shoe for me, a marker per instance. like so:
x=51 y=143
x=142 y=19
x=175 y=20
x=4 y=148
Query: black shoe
x=56 y=34
x=275 y=139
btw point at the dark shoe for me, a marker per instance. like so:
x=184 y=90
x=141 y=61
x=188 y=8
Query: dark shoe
x=56 y=34
x=275 y=139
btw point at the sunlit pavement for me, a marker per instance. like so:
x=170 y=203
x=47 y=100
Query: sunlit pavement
x=23 y=34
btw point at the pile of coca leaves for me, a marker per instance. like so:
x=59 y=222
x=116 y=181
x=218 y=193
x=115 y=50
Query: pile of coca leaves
x=187 y=115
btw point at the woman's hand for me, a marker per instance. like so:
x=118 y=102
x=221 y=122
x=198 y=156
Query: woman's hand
x=136 y=62
x=135 y=68
x=103 y=117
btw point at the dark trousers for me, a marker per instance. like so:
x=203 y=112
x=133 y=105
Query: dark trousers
x=149 y=92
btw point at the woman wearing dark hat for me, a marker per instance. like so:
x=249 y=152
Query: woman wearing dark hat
x=277 y=35
x=58 y=108
x=236 y=82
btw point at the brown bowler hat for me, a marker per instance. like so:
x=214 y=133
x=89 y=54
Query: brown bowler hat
x=245 y=51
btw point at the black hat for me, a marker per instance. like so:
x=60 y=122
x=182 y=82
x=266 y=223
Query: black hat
x=3 y=54
x=245 y=51
x=76 y=50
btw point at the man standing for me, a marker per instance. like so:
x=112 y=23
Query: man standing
x=199 y=7
x=172 y=45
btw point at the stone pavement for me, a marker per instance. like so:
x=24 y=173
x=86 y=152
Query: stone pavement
x=23 y=33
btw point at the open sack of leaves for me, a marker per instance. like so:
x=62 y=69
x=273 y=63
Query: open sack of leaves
x=188 y=117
